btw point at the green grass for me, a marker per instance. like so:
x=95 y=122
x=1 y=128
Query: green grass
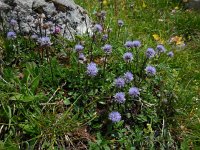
x=50 y=104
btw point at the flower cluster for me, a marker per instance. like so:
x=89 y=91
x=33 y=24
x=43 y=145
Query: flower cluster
x=92 y=69
x=114 y=116
x=107 y=48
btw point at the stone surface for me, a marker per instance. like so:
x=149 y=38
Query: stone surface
x=192 y=4
x=71 y=18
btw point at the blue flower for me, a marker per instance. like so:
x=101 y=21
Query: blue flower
x=119 y=82
x=13 y=22
x=136 y=43
x=105 y=37
x=119 y=97
x=150 y=53
x=129 y=44
x=81 y=57
x=120 y=23
x=98 y=28
x=114 y=116
x=160 y=48
x=92 y=69
x=170 y=54
x=134 y=92
x=11 y=35
x=150 y=70
x=107 y=48
x=78 y=48
x=128 y=57
x=128 y=77
x=44 y=41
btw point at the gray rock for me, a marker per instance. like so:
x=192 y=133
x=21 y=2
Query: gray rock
x=32 y=15
x=193 y=4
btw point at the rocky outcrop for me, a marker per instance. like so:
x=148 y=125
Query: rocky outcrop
x=44 y=16
x=192 y=4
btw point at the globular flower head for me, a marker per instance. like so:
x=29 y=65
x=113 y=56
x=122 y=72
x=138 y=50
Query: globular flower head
x=119 y=97
x=114 y=116
x=105 y=37
x=128 y=77
x=13 y=22
x=57 y=30
x=79 y=47
x=150 y=53
x=170 y=54
x=136 y=43
x=128 y=57
x=119 y=82
x=81 y=58
x=120 y=23
x=150 y=70
x=11 y=35
x=92 y=69
x=107 y=48
x=98 y=28
x=160 y=48
x=129 y=44
x=134 y=92
x=44 y=41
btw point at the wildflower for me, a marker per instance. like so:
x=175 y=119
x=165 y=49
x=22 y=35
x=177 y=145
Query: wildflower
x=160 y=48
x=44 y=41
x=150 y=70
x=81 y=57
x=150 y=53
x=78 y=48
x=128 y=57
x=134 y=92
x=129 y=44
x=119 y=97
x=170 y=54
x=57 y=30
x=114 y=116
x=98 y=28
x=13 y=22
x=92 y=69
x=119 y=82
x=105 y=37
x=11 y=35
x=128 y=76
x=120 y=23
x=136 y=44
x=107 y=48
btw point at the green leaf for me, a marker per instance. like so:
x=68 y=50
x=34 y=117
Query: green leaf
x=35 y=83
x=67 y=101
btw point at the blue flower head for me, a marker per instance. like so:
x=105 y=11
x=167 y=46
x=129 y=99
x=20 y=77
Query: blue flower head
x=92 y=69
x=129 y=44
x=134 y=92
x=105 y=37
x=114 y=116
x=128 y=77
x=150 y=70
x=44 y=41
x=150 y=53
x=160 y=48
x=119 y=97
x=170 y=54
x=128 y=57
x=13 y=22
x=119 y=82
x=107 y=48
x=98 y=28
x=78 y=48
x=11 y=35
x=136 y=43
